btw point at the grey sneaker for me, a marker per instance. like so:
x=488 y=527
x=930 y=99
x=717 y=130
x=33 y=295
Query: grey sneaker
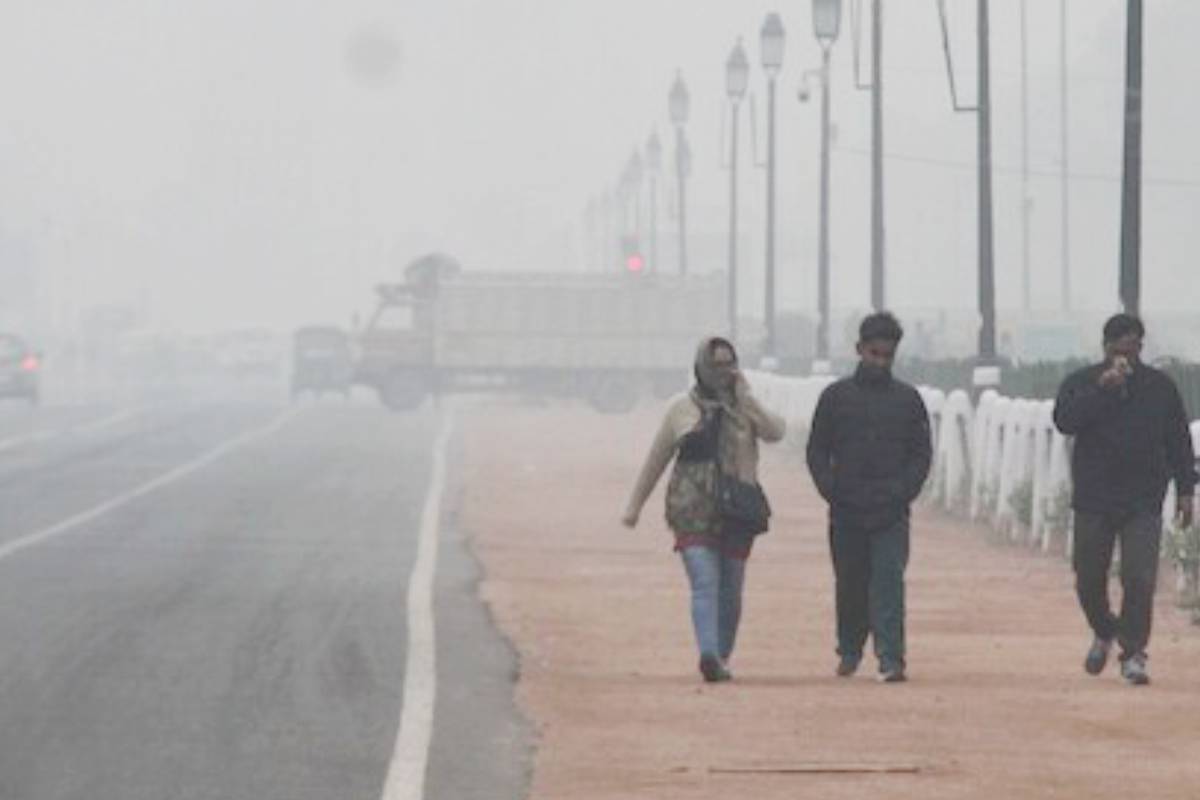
x=1097 y=656
x=1133 y=670
x=892 y=673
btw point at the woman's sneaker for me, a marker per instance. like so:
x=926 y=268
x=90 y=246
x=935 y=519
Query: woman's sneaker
x=713 y=670
x=1133 y=670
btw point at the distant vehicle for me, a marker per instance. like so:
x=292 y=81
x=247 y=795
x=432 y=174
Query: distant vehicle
x=20 y=369
x=321 y=361
x=608 y=338
x=252 y=351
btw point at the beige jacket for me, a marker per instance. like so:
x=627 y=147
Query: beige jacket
x=745 y=422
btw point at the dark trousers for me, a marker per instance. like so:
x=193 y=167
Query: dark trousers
x=1095 y=538
x=869 y=565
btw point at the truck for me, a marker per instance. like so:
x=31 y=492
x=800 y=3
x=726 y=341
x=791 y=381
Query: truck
x=610 y=339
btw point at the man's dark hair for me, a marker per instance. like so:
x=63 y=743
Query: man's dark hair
x=1122 y=325
x=880 y=325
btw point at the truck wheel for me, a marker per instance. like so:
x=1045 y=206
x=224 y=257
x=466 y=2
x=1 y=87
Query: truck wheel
x=404 y=391
x=614 y=394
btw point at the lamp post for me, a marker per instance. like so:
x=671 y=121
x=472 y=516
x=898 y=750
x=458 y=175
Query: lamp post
x=1026 y=200
x=1064 y=146
x=653 y=168
x=983 y=110
x=1131 y=176
x=737 y=78
x=827 y=17
x=878 y=277
x=636 y=174
x=772 y=39
x=875 y=87
x=678 y=103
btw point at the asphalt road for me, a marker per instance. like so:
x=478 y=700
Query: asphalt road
x=206 y=598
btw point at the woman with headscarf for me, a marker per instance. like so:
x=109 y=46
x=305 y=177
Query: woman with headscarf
x=712 y=432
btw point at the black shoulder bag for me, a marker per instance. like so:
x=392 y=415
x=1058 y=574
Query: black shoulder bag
x=742 y=505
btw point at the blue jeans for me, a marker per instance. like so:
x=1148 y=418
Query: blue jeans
x=716 y=582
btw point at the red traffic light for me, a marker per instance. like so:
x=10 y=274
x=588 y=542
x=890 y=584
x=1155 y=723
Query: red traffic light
x=635 y=262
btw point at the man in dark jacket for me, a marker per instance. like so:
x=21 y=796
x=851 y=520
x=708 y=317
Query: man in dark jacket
x=869 y=452
x=1131 y=440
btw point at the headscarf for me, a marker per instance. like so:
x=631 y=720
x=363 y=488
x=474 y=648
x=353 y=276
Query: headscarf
x=712 y=386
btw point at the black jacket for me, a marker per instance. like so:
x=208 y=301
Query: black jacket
x=869 y=450
x=1129 y=441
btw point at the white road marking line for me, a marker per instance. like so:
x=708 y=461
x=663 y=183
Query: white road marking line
x=406 y=772
x=87 y=427
x=167 y=478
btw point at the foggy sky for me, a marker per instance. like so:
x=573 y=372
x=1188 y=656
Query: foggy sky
x=229 y=163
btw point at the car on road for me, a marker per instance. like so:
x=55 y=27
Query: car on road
x=20 y=369
x=322 y=361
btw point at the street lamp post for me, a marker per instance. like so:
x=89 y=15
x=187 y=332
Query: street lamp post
x=608 y=234
x=983 y=110
x=737 y=78
x=678 y=106
x=875 y=87
x=630 y=188
x=1131 y=177
x=827 y=16
x=772 y=44
x=653 y=168
x=987 y=250
x=1026 y=200
x=1064 y=146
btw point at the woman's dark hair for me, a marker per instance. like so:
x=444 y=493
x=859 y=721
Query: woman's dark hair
x=1121 y=325
x=880 y=325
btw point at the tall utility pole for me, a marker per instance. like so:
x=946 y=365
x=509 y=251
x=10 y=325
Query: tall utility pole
x=608 y=232
x=1131 y=179
x=983 y=108
x=827 y=17
x=769 y=277
x=1026 y=201
x=878 y=284
x=678 y=104
x=987 y=266
x=654 y=168
x=772 y=38
x=737 y=78
x=823 y=238
x=875 y=87
x=1065 y=197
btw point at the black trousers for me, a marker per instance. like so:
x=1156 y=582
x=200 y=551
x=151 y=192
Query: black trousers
x=1096 y=536
x=869 y=565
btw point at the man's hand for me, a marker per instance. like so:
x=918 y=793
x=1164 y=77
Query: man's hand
x=1185 y=510
x=1116 y=374
x=629 y=519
